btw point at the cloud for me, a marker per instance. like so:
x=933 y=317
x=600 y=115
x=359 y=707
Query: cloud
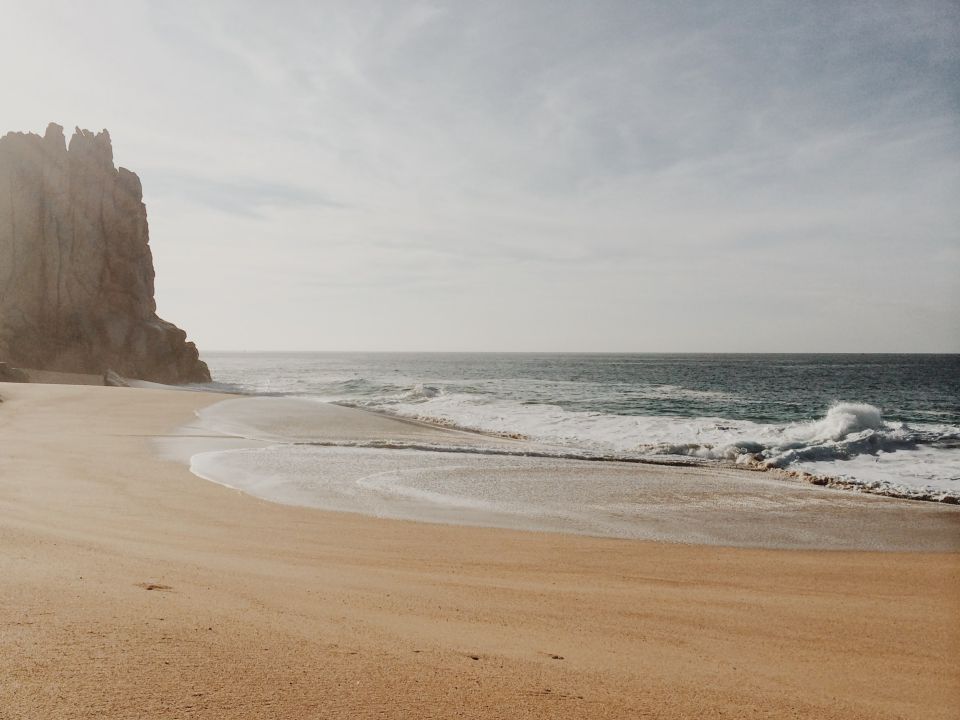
x=657 y=169
x=242 y=196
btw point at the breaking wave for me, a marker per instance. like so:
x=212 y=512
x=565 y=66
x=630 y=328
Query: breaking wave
x=850 y=446
x=848 y=429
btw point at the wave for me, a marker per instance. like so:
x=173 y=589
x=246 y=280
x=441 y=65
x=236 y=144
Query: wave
x=851 y=445
x=418 y=393
x=918 y=462
x=847 y=430
x=771 y=414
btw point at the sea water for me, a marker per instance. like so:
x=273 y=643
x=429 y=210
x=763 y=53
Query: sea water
x=888 y=424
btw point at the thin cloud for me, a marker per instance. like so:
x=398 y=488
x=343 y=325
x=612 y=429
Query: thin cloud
x=684 y=168
x=244 y=197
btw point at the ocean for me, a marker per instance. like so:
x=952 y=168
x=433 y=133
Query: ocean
x=888 y=424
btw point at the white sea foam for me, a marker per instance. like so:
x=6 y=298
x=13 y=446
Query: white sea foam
x=688 y=408
x=918 y=461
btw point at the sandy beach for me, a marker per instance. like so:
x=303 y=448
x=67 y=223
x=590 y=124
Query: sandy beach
x=132 y=588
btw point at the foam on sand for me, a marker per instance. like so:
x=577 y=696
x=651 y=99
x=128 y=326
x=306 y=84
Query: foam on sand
x=325 y=456
x=819 y=448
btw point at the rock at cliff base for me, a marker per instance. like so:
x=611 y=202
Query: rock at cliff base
x=111 y=379
x=12 y=374
x=76 y=271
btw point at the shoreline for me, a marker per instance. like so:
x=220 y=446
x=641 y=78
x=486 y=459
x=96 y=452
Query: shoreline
x=377 y=465
x=133 y=588
x=784 y=473
x=787 y=472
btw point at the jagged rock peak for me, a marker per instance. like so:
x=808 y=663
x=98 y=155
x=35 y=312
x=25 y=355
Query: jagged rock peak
x=53 y=138
x=76 y=271
x=95 y=146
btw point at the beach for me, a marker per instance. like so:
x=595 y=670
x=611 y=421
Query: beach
x=133 y=588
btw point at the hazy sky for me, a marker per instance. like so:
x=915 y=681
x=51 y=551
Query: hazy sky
x=525 y=175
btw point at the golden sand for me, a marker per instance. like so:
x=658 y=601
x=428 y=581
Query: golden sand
x=131 y=589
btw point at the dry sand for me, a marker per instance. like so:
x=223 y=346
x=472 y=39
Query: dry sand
x=131 y=589
x=62 y=378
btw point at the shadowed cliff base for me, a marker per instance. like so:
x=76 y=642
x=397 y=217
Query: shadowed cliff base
x=76 y=271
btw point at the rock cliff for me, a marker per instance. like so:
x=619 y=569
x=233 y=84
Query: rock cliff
x=76 y=271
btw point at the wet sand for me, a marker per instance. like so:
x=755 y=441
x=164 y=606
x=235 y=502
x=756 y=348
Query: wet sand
x=131 y=588
x=314 y=454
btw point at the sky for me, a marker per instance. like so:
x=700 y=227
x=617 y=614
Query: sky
x=525 y=176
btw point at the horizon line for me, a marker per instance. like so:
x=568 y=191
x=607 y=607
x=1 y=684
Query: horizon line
x=585 y=352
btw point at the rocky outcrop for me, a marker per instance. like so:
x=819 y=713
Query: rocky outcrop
x=76 y=271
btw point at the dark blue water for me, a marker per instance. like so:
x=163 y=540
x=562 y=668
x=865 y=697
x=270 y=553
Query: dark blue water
x=761 y=388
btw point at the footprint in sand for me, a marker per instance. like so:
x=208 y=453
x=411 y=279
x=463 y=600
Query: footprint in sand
x=153 y=586
x=552 y=656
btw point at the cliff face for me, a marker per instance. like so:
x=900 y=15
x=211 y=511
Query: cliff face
x=76 y=272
